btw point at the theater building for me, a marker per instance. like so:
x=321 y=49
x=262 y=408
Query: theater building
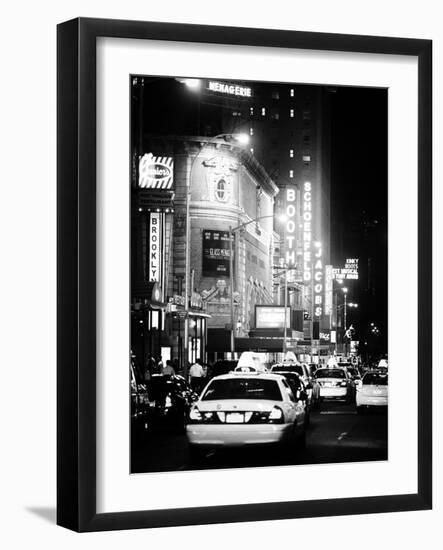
x=222 y=187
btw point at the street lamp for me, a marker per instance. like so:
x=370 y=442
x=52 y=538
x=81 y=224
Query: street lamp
x=232 y=231
x=241 y=139
x=345 y=292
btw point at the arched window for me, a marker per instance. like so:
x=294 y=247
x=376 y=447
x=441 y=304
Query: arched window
x=220 y=191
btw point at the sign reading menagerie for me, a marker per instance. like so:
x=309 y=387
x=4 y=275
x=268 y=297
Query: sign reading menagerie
x=230 y=89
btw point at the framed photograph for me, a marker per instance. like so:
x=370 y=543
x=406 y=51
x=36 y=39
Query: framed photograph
x=244 y=274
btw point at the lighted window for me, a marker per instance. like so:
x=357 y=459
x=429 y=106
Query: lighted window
x=291 y=113
x=292 y=92
x=252 y=150
x=306 y=158
x=251 y=111
x=291 y=173
x=251 y=131
x=291 y=153
x=220 y=192
x=263 y=111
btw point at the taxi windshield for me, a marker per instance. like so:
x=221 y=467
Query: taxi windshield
x=242 y=388
x=330 y=373
x=375 y=379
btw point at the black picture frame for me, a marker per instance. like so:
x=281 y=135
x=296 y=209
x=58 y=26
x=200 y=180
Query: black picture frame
x=76 y=265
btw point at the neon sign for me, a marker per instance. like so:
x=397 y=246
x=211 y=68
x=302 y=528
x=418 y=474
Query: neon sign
x=307 y=230
x=350 y=271
x=290 y=235
x=230 y=89
x=318 y=282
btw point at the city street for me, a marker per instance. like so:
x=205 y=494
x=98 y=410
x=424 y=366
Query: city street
x=336 y=434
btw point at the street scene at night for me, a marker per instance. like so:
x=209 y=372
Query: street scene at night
x=259 y=333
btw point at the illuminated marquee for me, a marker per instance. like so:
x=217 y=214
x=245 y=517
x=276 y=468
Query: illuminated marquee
x=290 y=227
x=350 y=271
x=328 y=289
x=155 y=247
x=155 y=172
x=230 y=89
x=318 y=282
x=307 y=231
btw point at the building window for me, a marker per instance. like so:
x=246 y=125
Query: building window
x=261 y=263
x=306 y=114
x=220 y=191
x=292 y=92
x=263 y=111
x=251 y=131
x=291 y=173
x=275 y=115
x=291 y=113
x=306 y=139
x=307 y=159
x=291 y=153
x=251 y=111
x=275 y=94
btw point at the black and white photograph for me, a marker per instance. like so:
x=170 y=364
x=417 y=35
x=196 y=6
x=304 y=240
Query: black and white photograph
x=259 y=274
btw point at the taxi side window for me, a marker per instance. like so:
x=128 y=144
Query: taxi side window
x=288 y=390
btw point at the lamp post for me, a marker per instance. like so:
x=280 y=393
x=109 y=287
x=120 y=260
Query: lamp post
x=345 y=292
x=242 y=139
x=232 y=231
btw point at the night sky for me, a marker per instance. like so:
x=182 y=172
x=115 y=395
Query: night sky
x=359 y=197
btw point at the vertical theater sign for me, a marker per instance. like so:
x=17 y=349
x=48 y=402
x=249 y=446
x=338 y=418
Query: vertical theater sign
x=290 y=233
x=307 y=231
x=156 y=179
x=313 y=272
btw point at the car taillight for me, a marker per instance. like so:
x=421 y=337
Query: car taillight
x=168 y=402
x=343 y=384
x=276 y=415
x=195 y=415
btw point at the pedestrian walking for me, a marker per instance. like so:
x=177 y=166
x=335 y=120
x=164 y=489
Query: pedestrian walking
x=168 y=369
x=196 y=375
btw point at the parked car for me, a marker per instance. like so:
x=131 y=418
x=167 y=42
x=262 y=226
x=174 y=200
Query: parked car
x=312 y=387
x=354 y=372
x=170 y=399
x=246 y=409
x=372 y=391
x=298 y=388
x=140 y=420
x=335 y=383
